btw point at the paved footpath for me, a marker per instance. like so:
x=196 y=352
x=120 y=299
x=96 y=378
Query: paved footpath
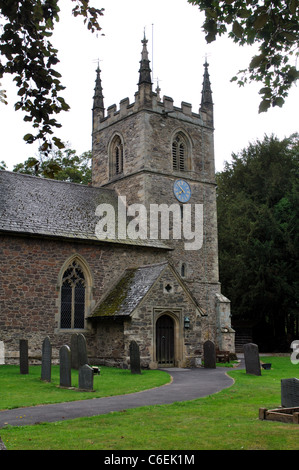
x=187 y=384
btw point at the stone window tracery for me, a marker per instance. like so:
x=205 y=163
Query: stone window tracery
x=72 y=310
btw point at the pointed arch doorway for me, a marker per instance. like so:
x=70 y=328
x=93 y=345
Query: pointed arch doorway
x=165 y=341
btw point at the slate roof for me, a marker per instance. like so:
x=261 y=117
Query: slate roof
x=125 y=296
x=38 y=206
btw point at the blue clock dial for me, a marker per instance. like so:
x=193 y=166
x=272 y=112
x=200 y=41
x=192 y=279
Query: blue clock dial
x=182 y=190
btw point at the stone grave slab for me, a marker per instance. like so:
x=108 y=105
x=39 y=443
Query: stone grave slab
x=209 y=353
x=290 y=392
x=24 y=362
x=252 y=360
x=46 y=360
x=86 y=378
x=135 y=358
x=65 y=366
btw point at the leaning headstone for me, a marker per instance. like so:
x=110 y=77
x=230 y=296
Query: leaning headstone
x=24 y=364
x=86 y=378
x=82 y=351
x=74 y=351
x=46 y=360
x=2 y=445
x=65 y=366
x=209 y=353
x=290 y=393
x=252 y=360
x=2 y=353
x=135 y=358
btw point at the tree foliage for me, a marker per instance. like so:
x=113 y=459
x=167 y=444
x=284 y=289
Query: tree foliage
x=271 y=24
x=62 y=165
x=27 y=53
x=258 y=214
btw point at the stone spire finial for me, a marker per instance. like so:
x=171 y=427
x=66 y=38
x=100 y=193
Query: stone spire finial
x=98 y=99
x=144 y=71
x=206 y=94
x=206 y=97
x=158 y=89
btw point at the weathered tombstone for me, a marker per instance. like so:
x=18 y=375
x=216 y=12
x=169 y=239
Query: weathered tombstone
x=46 y=360
x=2 y=445
x=82 y=351
x=135 y=358
x=65 y=366
x=24 y=364
x=2 y=353
x=290 y=393
x=209 y=354
x=252 y=360
x=74 y=351
x=86 y=378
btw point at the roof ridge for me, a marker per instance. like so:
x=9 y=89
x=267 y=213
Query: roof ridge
x=50 y=180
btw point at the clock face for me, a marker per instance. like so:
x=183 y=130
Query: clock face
x=182 y=190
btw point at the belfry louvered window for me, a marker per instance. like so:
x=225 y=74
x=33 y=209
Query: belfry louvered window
x=72 y=311
x=179 y=153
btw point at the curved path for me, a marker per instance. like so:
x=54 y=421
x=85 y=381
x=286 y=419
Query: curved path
x=187 y=384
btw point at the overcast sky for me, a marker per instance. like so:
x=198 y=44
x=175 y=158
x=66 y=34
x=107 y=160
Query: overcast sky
x=177 y=49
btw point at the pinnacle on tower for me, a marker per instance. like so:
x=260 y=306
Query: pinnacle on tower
x=206 y=97
x=144 y=71
x=98 y=99
x=206 y=94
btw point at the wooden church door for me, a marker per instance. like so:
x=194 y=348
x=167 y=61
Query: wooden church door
x=165 y=340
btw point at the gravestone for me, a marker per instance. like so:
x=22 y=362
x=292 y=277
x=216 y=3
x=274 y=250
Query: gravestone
x=24 y=364
x=74 y=351
x=82 y=351
x=46 y=360
x=290 y=393
x=252 y=360
x=2 y=445
x=209 y=354
x=78 y=350
x=2 y=353
x=65 y=366
x=135 y=358
x=86 y=378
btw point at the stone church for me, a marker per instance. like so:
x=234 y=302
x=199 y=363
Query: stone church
x=67 y=267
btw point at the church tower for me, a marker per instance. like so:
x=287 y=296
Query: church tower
x=156 y=154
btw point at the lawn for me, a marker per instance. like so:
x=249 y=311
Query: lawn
x=227 y=420
x=28 y=390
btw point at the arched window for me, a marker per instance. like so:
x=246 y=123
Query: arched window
x=116 y=156
x=180 y=153
x=73 y=287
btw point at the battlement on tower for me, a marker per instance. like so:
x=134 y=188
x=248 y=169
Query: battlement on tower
x=165 y=107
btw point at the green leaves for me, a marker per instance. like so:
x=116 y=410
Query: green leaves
x=258 y=220
x=270 y=24
x=30 y=57
x=238 y=30
x=63 y=165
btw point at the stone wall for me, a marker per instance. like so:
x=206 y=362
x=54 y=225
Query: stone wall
x=29 y=287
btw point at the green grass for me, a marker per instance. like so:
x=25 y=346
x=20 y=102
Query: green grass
x=227 y=420
x=18 y=390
